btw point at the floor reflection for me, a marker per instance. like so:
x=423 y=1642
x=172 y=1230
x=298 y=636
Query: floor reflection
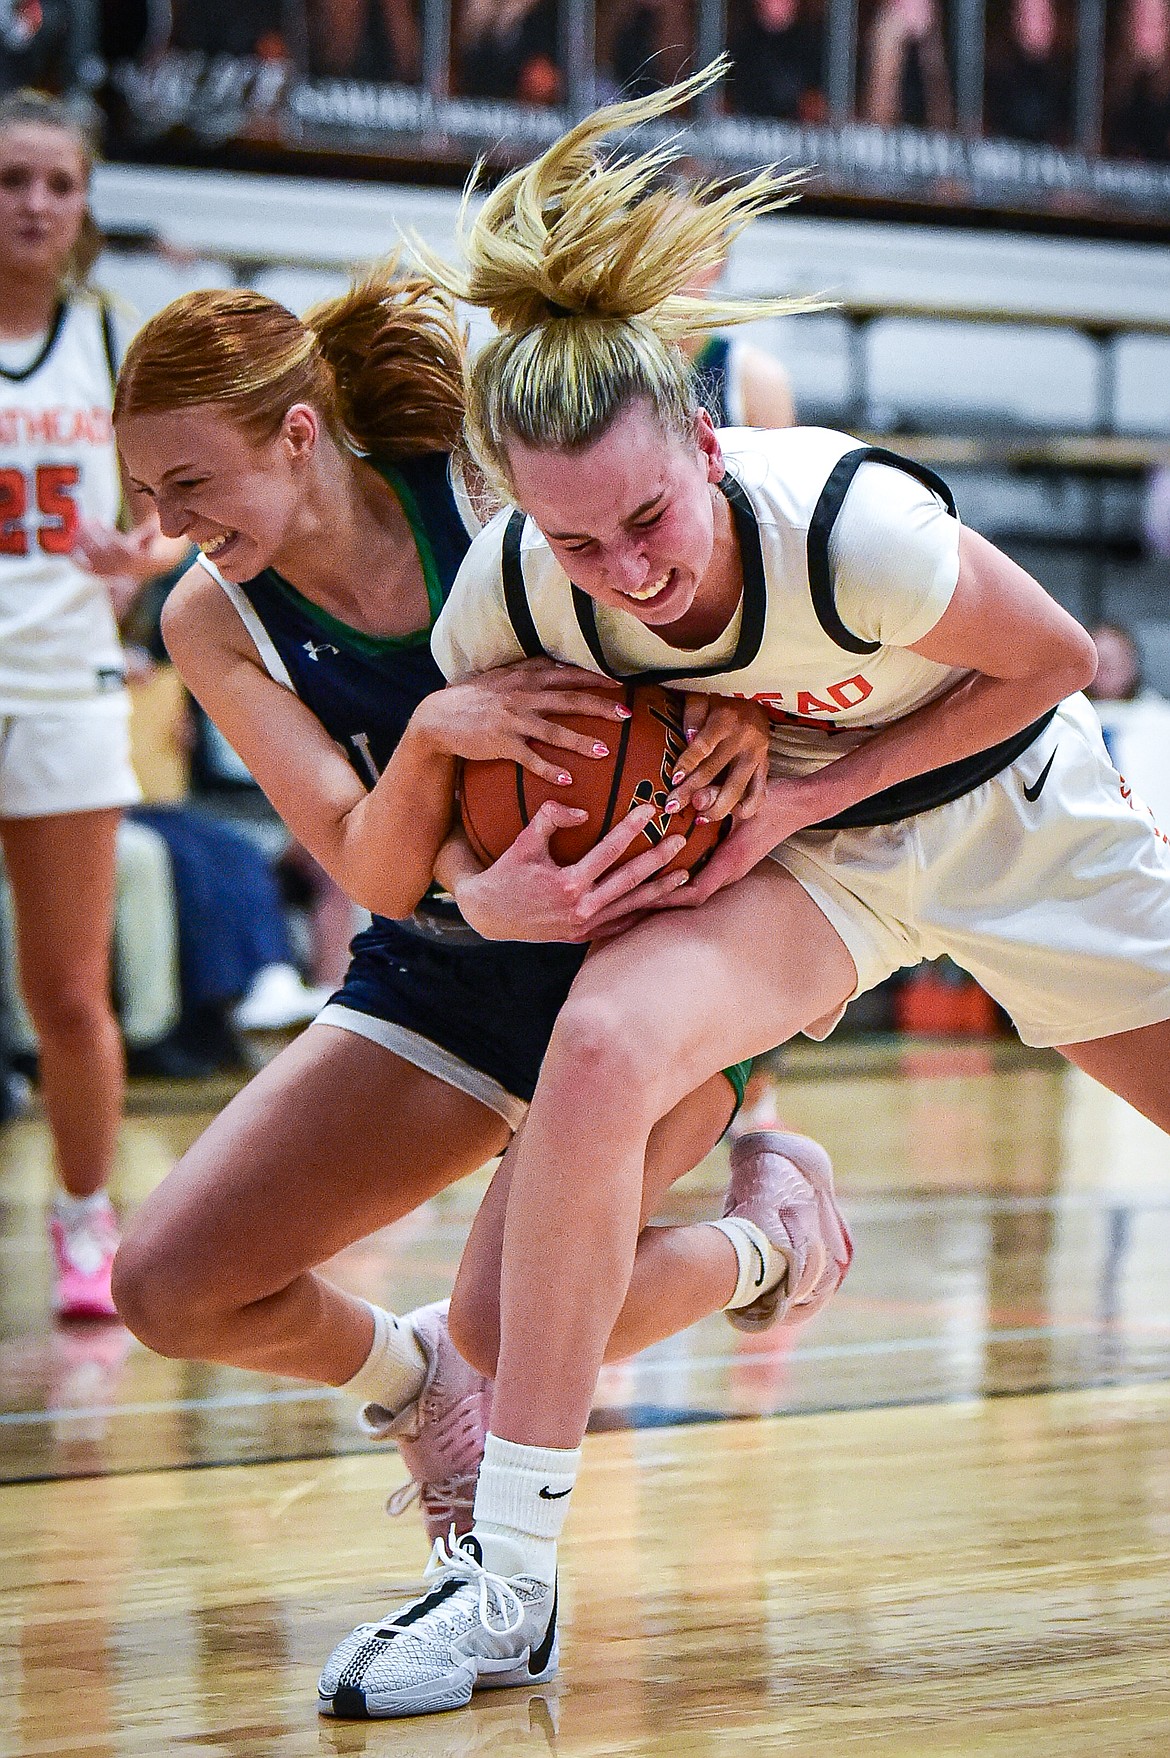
x=1012 y=1230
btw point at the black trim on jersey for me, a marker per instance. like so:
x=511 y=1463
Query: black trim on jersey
x=110 y=342
x=938 y=787
x=515 y=592
x=751 y=629
x=50 y=342
x=820 y=526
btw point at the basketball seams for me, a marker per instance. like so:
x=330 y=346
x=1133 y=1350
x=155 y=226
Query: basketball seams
x=619 y=768
x=499 y=798
x=521 y=795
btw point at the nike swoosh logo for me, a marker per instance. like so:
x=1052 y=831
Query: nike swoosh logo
x=539 y=1658
x=1037 y=788
x=555 y=1495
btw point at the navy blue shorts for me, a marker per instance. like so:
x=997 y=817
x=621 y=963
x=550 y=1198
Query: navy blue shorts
x=477 y=1013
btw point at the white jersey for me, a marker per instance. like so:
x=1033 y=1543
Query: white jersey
x=58 y=640
x=830 y=665
x=1032 y=865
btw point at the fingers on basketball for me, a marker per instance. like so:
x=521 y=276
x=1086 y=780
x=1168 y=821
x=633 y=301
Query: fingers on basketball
x=498 y=799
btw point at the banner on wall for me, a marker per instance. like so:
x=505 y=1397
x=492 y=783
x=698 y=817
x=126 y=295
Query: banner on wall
x=237 y=100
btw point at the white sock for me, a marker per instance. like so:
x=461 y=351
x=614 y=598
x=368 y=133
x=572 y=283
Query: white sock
x=393 y=1373
x=75 y=1211
x=523 y=1494
x=762 y=1265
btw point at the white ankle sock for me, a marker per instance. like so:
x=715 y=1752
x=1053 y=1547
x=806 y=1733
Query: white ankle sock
x=762 y=1265
x=74 y=1211
x=523 y=1494
x=395 y=1370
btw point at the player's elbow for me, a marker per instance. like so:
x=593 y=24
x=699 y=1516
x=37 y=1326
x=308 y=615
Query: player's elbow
x=1089 y=660
x=383 y=893
x=1076 y=664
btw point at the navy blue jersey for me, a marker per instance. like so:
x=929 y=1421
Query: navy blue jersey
x=364 y=688
x=711 y=368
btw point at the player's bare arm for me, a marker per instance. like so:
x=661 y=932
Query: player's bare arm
x=380 y=846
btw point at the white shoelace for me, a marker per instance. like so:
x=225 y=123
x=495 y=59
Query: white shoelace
x=451 y=1559
x=451 y=1493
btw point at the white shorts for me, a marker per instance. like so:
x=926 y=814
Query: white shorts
x=77 y=761
x=1058 y=905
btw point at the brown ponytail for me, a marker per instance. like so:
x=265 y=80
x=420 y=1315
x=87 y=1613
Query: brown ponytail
x=382 y=365
x=396 y=355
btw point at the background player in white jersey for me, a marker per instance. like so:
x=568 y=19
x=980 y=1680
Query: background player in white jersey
x=64 y=752
x=938 y=785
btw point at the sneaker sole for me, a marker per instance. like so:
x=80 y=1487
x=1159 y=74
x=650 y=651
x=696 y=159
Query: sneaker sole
x=434 y=1697
x=429 y=1698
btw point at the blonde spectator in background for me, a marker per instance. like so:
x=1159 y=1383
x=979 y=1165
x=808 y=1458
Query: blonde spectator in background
x=65 y=771
x=741 y=385
x=907 y=79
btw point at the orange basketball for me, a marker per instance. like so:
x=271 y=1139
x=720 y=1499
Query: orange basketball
x=499 y=798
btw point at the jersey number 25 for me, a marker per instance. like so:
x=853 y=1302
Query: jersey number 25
x=52 y=485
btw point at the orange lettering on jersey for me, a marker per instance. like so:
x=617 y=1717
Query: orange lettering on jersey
x=56 y=426
x=850 y=691
x=40 y=426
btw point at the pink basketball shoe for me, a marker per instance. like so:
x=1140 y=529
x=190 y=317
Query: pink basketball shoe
x=784 y=1183
x=85 y=1238
x=441 y=1434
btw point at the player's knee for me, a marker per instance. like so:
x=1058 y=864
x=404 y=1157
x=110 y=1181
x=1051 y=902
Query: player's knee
x=154 y=1299
x=473 y=1324
x=70 y=1016
x=595 y=1044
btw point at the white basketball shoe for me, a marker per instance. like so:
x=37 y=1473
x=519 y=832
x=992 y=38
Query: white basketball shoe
x=482 y=1625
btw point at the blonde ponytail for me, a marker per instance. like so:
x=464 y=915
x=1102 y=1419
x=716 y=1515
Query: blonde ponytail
x=581 y=260
x=382 y=365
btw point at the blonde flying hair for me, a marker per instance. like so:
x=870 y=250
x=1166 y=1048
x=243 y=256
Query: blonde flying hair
x=382 y=365
x=580 y=258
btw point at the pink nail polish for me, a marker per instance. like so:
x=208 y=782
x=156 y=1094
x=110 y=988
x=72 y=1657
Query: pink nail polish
x=699 y=819
x=625 y=713
x=673 y=806
x=690 y=735
x=563 y=779
x=600 y=750
x=679 y=775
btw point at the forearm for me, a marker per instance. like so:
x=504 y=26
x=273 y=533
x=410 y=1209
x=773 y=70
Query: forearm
x=979 y=712
x=389 y=842
x=456 y=861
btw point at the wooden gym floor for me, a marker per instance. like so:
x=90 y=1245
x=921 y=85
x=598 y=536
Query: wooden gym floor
x=949 y=1534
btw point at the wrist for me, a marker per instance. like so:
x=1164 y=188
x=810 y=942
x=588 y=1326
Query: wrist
x=422 y=739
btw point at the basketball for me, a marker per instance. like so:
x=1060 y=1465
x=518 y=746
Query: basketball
x=499 y=798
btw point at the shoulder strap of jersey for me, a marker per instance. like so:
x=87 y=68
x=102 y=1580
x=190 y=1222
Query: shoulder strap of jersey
x=109 y=341
x=516 y=593
x=832 y=497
